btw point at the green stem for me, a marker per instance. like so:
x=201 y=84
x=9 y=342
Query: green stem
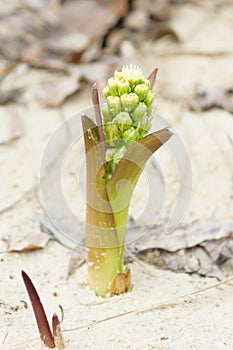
x=103 y=265
x=121 y=218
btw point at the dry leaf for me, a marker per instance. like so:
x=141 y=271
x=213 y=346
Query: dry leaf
x=53 y=94
x=86 y=17
x=195 y=249
x=42 y=31
x=21 y=243
x=118 y=7
x=67 y=47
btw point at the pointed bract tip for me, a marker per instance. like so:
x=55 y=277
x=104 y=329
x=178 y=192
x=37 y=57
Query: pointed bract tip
x=95 y=94
x=25 y=275
x=152 y=77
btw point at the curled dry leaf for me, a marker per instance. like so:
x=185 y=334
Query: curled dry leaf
x=25 y=243
x=196 y=248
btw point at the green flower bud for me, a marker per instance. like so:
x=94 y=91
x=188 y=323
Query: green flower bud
x=149 y=98
x=113 y=86
x=129 y=101
x=112 y=133
x=147 y=83
x=123 y=87
x=141 y=90
x=106 y=113
x=106 y=91
x=123 y=120
x=144 y=125
x=127 y=114
x=139 y=113
x=132 y=74
x=134 y=81
x=114 y=104
x=131 y=134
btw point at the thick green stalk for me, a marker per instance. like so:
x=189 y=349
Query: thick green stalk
x=103 y=265
x=103 y=257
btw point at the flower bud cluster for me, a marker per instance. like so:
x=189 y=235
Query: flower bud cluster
x=126 y=113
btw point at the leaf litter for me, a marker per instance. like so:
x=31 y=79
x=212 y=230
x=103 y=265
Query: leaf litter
x=205 y=249
x=54 y=35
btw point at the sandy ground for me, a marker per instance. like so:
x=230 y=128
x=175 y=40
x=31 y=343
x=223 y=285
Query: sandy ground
x=194 y=322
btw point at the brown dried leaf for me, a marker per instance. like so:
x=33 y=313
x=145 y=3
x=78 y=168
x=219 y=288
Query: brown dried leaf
x=67 y=47
x=182 y=238
x=53 y=94
x=41 y=33
x=86 y=17
x=29 y=242
x=198 y=249
x=118 y=7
